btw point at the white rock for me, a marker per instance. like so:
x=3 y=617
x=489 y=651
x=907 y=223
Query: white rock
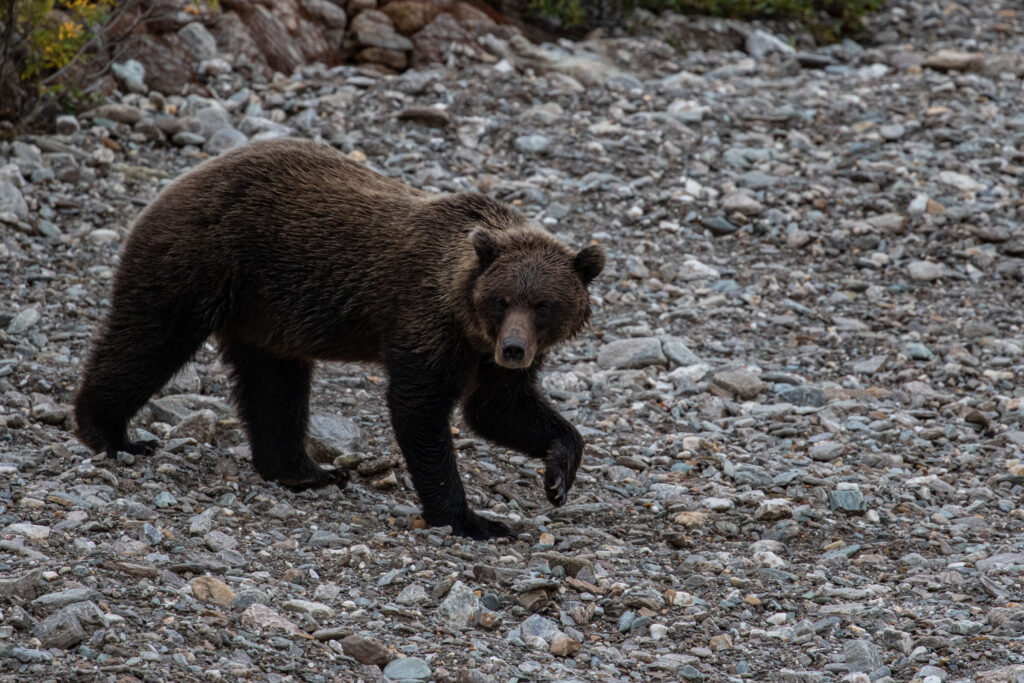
x=926 y=271
x=741 y=202
x=692 y=269
x=960 y=181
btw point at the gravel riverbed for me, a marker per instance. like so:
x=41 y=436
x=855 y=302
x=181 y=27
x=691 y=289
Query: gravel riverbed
x=802 y=390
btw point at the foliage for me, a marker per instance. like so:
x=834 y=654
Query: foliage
x=828 y=20
x=57 y=32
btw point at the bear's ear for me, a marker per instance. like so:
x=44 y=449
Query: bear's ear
x=485 y=246
x=589 y=263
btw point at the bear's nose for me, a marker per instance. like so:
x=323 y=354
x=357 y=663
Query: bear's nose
x=513 y=349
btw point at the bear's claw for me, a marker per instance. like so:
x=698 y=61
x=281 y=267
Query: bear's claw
x=481 y=529
x=319 y=480
x=560 y=471
x=133 y=447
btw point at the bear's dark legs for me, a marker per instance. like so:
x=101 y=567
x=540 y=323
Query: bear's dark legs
x=135 y=355
x=272 y=395
x=421 y=400
x=508 y=409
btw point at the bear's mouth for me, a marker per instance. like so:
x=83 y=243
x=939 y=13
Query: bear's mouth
x=516 y=345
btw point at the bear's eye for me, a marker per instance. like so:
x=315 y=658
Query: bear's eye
x=542 y=308
x=500 y=306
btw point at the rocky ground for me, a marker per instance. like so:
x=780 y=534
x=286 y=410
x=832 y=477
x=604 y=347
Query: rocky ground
x=802 y=393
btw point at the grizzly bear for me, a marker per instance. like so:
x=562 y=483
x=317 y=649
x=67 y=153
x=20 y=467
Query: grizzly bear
x=287 y=251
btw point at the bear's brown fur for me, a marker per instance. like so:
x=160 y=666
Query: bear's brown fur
x=287 y=251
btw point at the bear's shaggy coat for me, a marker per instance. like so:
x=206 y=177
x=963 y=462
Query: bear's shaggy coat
x=287 y=252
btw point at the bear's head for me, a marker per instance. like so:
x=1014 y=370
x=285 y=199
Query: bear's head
x=530 y=292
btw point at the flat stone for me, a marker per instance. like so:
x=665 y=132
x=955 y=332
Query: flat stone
x=692 y=269
x=25 y=586
x=744 y=383
x=532 y=144
x=24 y=320
x=741 y=202
x=210 y=589
x=408 y=669
x=862 y=656
x=677 y=352
x=564 y=646
x=638 y=352
x=960 y=181
x=367 y=650
x=954 y=60
x=826 y=451
x=804 y=396
x=847 y=501
x=261 y=618
x=926 y=271
x=317 y=610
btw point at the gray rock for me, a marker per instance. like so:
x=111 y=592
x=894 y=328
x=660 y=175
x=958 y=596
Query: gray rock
x=25 y=586
x=847 y=500
x=744 y=383
x=24 y=320
x=11 y=200
x=224 y=140
x=60 y=630
x=66 y=124
x=720 y=227
x=408 y=669
x=861 y=656
x=200 y=425
x=327 y=12
x=198 y=41
x=918 y=351
x=173 y=409
x=202 y=523
x=926 y=271
x=760 y=44
x=826 y=451
x=62 y=598
x=187 y=137
x=209 y=120
x=804 y=396
x=540 y=627
x=741 y=202
x=677 y=352
x=531 y=144
x=413 y=594
x=132 y=75
x=333 y=435
x=460 y=607
x=631 y=353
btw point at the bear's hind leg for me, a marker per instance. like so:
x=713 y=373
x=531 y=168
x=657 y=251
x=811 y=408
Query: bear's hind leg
x=137 y=353
x=272 y=395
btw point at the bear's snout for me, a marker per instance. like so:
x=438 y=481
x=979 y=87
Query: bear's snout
x=516 y=345
x=513 y=349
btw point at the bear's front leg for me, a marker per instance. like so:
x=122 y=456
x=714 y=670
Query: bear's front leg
x=506 y=407
x=421 y=399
